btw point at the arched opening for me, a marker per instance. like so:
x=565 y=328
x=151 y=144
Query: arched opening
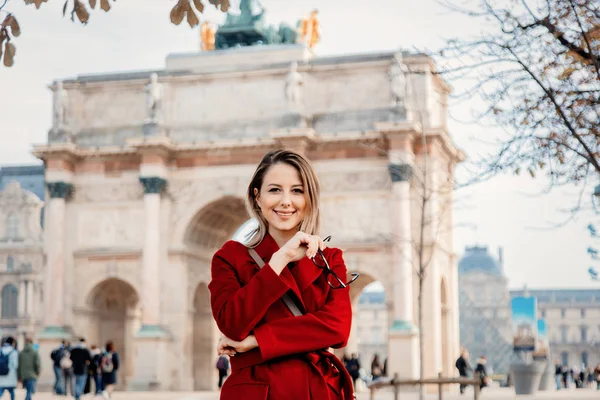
x=213 y=225
x=204 y=341
x=115 y=316
x=10 y=299
x=445 y=331
x=370 y=322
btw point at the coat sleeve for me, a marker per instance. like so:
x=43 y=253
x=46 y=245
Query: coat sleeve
x=236 y=308
x=328 y=327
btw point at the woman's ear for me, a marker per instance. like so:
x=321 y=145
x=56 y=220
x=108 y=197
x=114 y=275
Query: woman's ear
x=256 y=196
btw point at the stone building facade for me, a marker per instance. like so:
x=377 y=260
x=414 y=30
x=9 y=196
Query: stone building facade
x=146 y=174
x=572 y=315
x=21 y=255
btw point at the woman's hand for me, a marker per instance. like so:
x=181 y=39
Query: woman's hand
x=231 y=347
x=299 y=246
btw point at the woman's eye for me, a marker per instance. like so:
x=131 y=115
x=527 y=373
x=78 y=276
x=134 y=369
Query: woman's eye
x=273 y=190
x=298 y=191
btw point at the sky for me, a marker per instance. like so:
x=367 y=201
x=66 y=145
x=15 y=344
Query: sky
x=507 y=211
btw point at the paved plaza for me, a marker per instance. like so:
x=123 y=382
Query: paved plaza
x=492 y=394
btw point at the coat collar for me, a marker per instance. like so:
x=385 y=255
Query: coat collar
x=300 y=277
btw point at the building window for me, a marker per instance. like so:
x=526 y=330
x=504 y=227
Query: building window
x=10 y=264
x=375 y=315
x=565 y=358
x=584 y=359
x=10 y=296
x=584 y=331
x=563 y=334
x=12 y=226
x=563 y=313
x=583 y=313
x=543 y=313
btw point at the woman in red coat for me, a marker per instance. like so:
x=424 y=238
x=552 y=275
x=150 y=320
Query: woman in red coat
x=275 y=354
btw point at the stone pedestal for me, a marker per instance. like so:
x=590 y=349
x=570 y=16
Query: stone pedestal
x=547 y=382
x=403 y=352
x=151 y=364
x=527 y=376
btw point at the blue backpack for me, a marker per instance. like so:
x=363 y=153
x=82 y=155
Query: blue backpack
x=4 y=362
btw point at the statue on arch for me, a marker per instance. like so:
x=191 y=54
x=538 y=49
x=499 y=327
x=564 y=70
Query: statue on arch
x=60 y=100
x=293 y=87
x=400 y=85
x=207 y=36
x=153 y=99
x=310 y=29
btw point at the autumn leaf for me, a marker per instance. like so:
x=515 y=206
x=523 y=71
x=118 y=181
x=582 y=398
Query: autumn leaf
x=82 y=13
x=92 y=4
x=105 y=5
x=178 y=12
x=199 y=6
x=192 y=19
x=37 y=3
x=9 y=54
x=14 y=26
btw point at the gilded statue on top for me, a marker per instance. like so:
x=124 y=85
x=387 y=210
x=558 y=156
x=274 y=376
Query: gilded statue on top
x=207 y=36
x=310 y=30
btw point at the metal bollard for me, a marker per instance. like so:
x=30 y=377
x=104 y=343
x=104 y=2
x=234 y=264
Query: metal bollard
x=440 y=395
x=476 y=387
x=396 y=387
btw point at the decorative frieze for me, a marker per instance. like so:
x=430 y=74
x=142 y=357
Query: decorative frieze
x=153 y=184
x=59 y=190
x=400 y=172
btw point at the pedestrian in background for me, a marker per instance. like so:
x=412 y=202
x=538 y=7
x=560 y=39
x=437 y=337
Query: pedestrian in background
x=29 y=368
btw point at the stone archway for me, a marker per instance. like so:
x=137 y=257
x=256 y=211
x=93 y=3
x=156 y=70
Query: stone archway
x=115 y=316
x=210 y=228
x=370 y=322
x=445 y=330
x=204 y=340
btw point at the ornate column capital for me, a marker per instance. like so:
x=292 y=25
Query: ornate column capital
x=400 y=172
x=59 y=190
x=153 y=184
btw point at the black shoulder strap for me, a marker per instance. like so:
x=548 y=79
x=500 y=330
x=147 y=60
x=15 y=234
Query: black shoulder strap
x=286 y=298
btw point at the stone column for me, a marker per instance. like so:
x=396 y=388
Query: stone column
x=54 y=243
x=152 y=338
x=22 y=299
x=403 y=357
x=29 y=309
x=153 y=187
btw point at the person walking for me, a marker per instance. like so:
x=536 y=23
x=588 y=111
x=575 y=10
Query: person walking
x=109 y=365
x=597 y=375
x=80 y=356
x=59 y=381
x=462 y=364
x=376 y=367
x=281 y=299
x=29 y=368
x=481 y=369
x=9 y=363
x=95 y=370
x=557 y=375
x=223 y=367
x=353 y=367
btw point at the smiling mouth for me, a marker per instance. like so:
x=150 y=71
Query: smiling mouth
x=285 y=214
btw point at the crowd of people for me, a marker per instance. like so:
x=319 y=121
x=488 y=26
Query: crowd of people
x=566 y=377
x=77 y=368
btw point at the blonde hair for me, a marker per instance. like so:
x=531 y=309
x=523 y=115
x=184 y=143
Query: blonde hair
x=311 y=223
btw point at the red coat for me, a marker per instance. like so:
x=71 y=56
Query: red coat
x=291 y=362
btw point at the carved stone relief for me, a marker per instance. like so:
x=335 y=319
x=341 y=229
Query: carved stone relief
x=108 y=192
x=110 y=228
x=355 y=181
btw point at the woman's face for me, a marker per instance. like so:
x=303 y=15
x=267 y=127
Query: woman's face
x=282 y=200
